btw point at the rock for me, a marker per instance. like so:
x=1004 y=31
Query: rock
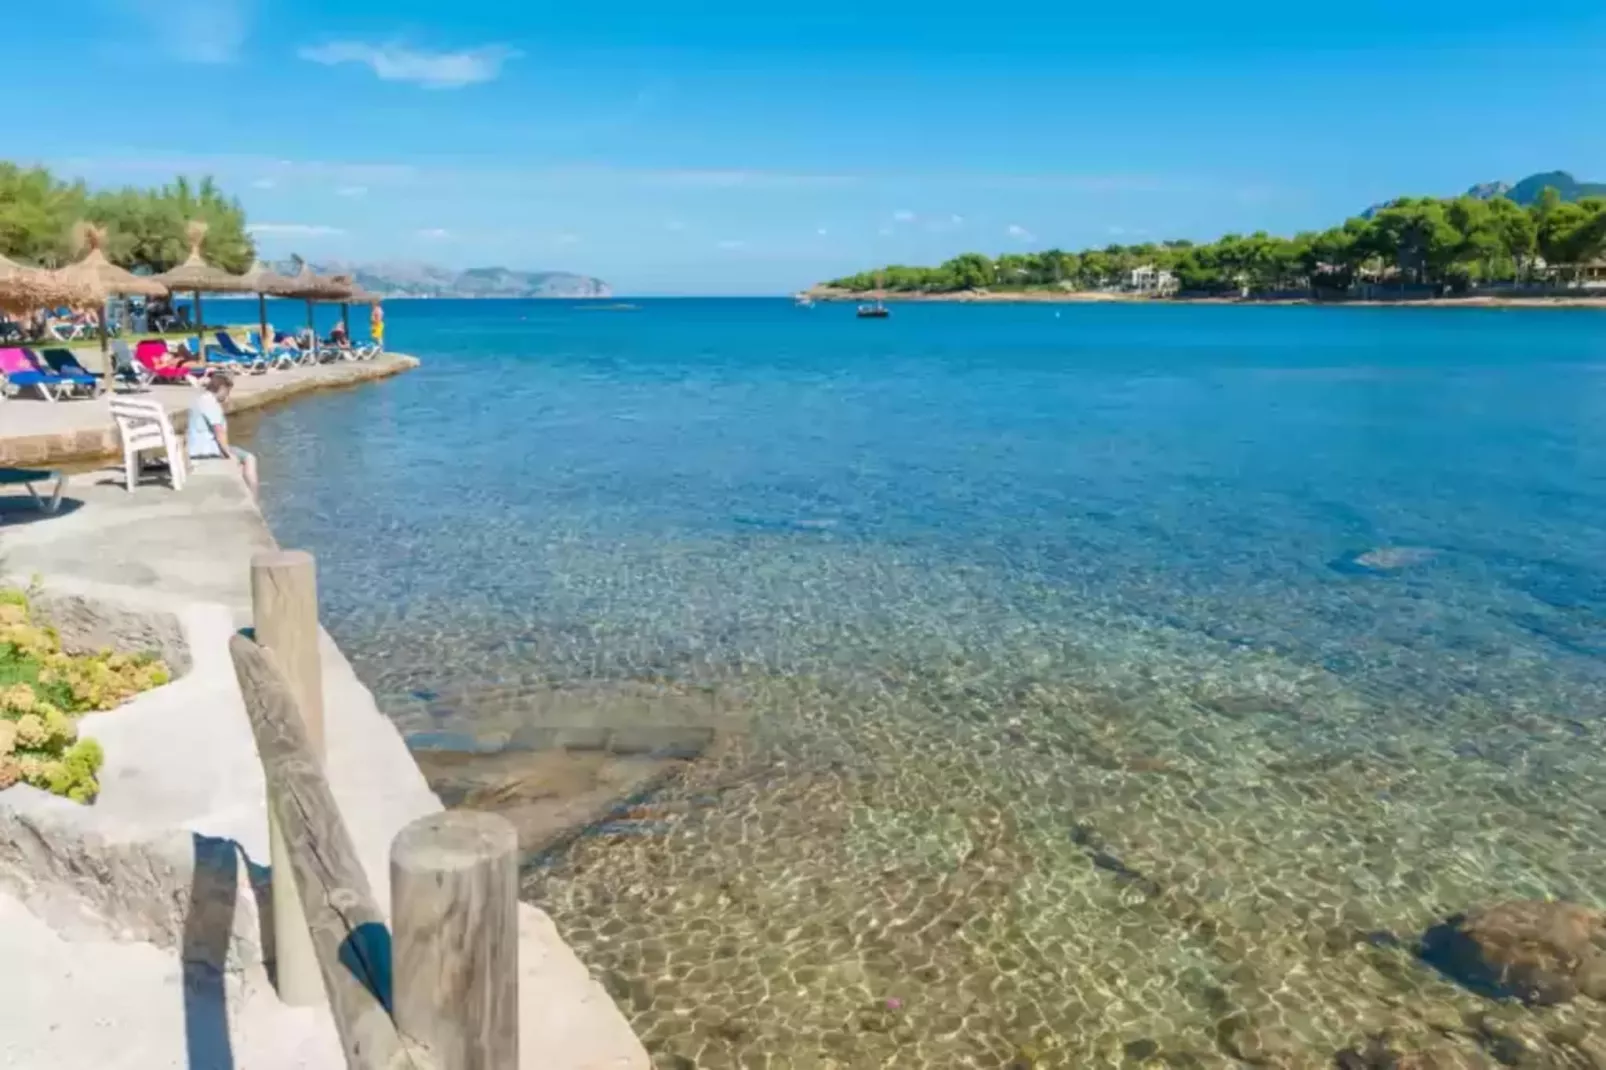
x=87 y=625
x=1538 y=952
x=89 y=879
x=1383 y=1052
x=1385 y=559
x=1243 y=1038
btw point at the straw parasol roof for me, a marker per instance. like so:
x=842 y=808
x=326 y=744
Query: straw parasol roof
x=262 y=279
x=314 y=287
x=103 y=277
x=196 y=275
x=25 y=289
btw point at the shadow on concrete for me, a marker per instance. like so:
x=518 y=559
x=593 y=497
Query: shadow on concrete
x=204 y=953
x=19 y=509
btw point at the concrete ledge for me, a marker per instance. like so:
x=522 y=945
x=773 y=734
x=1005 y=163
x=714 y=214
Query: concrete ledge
x=72 y=432
x=159 y=885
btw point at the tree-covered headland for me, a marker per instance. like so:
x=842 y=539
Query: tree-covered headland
x=1451 y=245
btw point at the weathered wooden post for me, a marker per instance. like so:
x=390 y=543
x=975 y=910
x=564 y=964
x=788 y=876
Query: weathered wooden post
x=284 y=609
x=455 y=937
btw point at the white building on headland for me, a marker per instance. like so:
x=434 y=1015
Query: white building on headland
x=1151 y=280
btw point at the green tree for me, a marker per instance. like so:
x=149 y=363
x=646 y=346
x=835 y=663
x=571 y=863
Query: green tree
x=145 y=226
x=37 y=212
x=970 y=271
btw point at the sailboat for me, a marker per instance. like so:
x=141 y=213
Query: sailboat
x=877 y=311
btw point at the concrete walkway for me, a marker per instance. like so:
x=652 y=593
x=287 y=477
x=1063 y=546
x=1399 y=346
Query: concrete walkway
x=35 y=432
x=133 y=930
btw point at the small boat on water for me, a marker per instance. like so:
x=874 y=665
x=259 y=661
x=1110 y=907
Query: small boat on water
x=877 y=311
x=803 y=301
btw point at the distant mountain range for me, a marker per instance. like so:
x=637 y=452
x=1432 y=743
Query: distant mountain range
x=1528 y=190
x=403 y=279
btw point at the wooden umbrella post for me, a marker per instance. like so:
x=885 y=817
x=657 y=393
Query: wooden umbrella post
x=262 y=318
x=200 y=329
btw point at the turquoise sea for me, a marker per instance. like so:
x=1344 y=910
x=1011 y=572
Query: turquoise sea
x=1097 y=685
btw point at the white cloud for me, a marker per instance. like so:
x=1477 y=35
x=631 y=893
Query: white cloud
x=957 y=220
x=903 y=215
x=1021 y=233
x=821 y=231
x=295 y=230
x=196 y=31
x=432 y=70
x=731 y=243
x=436 y=233
x=352 y=191
x=263 y=183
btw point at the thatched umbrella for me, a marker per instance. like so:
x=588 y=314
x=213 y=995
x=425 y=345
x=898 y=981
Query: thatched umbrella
x=102 y=278
x=310 y=286
x=195 y=275
x=24 y=290
x=265 y=283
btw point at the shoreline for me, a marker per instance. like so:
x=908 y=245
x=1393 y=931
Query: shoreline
x=154 y=895
x=1075 y=297
x=82 y=432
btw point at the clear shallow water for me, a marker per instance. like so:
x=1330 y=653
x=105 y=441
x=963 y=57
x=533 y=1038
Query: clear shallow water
x=1078 y=725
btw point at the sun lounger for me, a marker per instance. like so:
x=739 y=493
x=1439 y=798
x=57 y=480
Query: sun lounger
x=150 y=354
x=304 y=354
x=232 y=350
x=144 y=428
x=19 y=371
x=280 y=357
x=27 y=477
x=128 y=371
x=63 y=363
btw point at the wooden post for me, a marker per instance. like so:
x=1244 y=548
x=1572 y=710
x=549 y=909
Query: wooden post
x=284 y=609
x=454 y=916
x=350 y=943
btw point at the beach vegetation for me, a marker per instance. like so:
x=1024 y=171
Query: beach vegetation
x=145 y=226
x=43 y=692
x=1447 y=245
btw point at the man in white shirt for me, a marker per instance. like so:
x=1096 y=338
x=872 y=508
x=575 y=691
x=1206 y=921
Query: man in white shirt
x=208 y=432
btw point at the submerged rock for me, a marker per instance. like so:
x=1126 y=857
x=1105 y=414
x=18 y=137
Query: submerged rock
x=1382 y=559
x=1383 y=1052
x=1538 y=952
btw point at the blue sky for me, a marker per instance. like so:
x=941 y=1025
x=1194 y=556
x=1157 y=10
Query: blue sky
x=724 y=147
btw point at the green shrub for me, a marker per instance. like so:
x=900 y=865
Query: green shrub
x=41 y=691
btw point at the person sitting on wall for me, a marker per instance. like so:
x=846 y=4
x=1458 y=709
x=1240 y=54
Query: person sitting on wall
x=208 y=433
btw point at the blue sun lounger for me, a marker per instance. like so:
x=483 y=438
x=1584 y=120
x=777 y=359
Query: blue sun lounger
x=63 y=363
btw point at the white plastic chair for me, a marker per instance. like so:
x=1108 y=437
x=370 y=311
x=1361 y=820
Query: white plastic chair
x=144 y=428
